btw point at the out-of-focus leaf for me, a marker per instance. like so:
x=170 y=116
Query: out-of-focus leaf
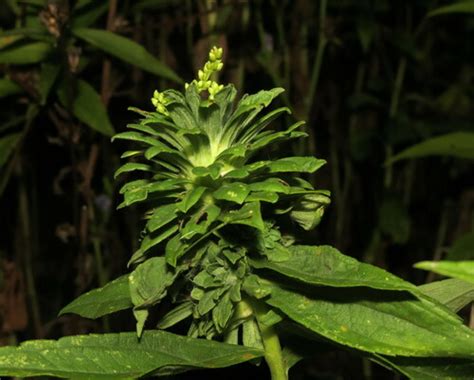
x=457 y=144
x=365 y=30
x=462 y=249
x=453 y=293
x=112 y=297
x=126 y=50
x=394 y=220
x=8 y=87
x=384 y=322
x=25 y=54
x=459 y=7
x=121 y=356
x=48 y=75
x=7 y=145
x=86 y=106
x=88 y=14
x=463 y=270
x=142 y=5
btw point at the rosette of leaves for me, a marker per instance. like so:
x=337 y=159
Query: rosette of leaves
x=212 y=200
x=218 y=258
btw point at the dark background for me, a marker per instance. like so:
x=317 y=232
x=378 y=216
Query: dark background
x=370 y=78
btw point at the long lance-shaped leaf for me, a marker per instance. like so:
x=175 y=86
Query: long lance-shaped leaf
x=112 y=297
x=466 y=7
x=463 y=270
x=87 y=106
x=126 y=50
x=457 y=144
x=453 y=293
x=430 y=368
x=325 y=265
x=384 y=322
x=118 y=356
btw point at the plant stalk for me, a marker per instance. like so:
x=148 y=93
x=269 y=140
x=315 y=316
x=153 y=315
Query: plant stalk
x=397 y=89
x=271 y=342
x=322 y=42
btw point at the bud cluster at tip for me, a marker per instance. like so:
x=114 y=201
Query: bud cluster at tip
x=159 y=101
x=203 y=83
x=213 y=65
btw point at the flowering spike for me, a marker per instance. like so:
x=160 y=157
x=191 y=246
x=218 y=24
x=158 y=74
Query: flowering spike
x=203 y=81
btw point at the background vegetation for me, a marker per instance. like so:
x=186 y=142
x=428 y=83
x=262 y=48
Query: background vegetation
x=370 y=77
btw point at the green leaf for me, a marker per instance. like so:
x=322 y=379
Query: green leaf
x=309 y=210
x=431 y=368
x=88 y=14
x=126 y=50
x=325 y=265
x=458 y=7
x=295 y=164
x=384 y=322
x=148 y=285
x=264 y=196
x=453 y=293
x=463 y=270
x=150 y=241
x=8 y=87
x=394 y=220
x=86 y=105
x=25 y=54
x=7 y=145
x=132 y=166
x=48 y=76
x=232 y=192
x=191 y=198
x=273 y=185
x=457 y=144
x=249 y=215
x=149 y=281
x=462 y=249
x=118 y=356
x=112 y=297
x=162 y=216
x=176 y=315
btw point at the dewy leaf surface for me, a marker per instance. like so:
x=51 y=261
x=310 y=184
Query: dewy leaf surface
x=126 y=50
x=384 y=322
x=325 y=265
x=112 y=297
x=118 y=356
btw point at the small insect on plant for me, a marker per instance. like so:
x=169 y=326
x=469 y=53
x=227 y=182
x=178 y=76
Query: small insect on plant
x=220 y=260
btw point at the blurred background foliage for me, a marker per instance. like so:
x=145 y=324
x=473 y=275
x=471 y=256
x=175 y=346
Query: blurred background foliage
x=386 y=88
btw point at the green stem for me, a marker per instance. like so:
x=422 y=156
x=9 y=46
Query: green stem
x=322 y=42
x=397 y=89
x=271 y=342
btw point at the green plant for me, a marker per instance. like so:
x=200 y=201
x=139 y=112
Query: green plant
x=219 y=256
